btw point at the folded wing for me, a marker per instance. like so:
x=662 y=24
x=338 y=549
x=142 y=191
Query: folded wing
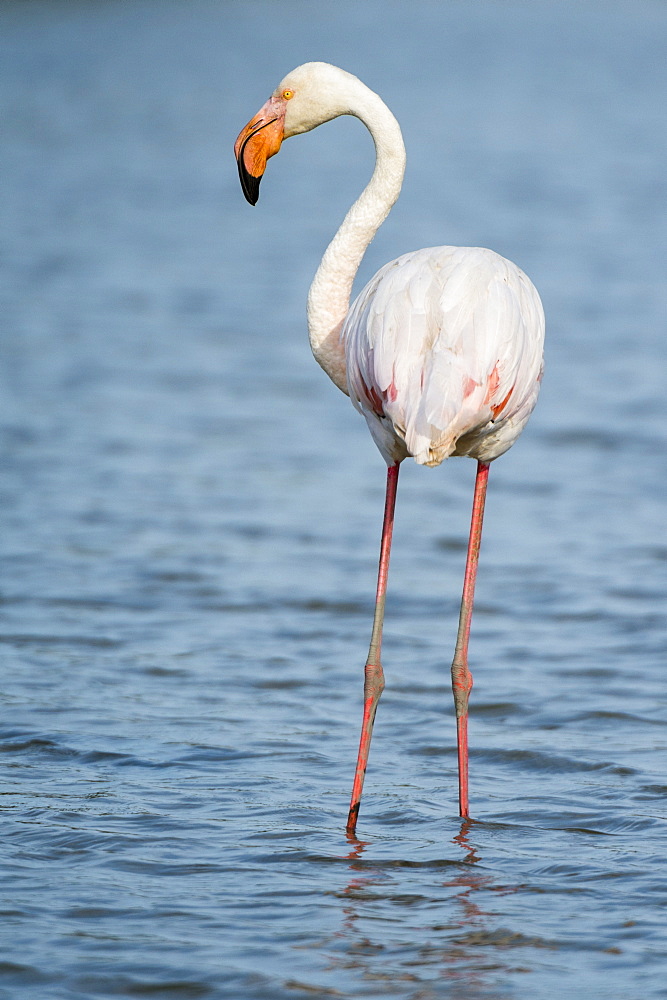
x=444 y=354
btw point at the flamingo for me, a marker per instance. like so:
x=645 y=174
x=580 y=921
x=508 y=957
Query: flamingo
x=441 y=352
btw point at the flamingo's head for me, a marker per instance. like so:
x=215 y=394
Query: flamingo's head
x=308 y=96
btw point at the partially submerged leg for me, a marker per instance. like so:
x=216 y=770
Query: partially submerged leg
x=461 y=676
x=373 y=674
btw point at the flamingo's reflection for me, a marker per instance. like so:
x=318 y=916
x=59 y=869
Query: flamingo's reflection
x=452 y=922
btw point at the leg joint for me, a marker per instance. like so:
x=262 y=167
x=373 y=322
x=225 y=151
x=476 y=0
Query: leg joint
x=373 y=681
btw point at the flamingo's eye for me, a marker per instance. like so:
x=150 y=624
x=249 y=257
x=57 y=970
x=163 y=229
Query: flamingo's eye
x=288 y=95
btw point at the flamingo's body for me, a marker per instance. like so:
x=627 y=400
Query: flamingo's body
x=440 y=357
x=441 y=352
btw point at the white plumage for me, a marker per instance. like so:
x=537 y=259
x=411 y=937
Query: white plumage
x=441 y=352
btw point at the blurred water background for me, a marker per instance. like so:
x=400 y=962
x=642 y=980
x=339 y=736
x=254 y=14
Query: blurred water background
x=191 y=515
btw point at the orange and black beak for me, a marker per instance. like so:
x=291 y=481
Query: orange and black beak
x=260 y=139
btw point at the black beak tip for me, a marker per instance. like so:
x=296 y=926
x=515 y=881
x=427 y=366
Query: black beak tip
x=249 y=184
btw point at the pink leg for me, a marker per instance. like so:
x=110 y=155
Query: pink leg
x=373 y=674
x=461 y=676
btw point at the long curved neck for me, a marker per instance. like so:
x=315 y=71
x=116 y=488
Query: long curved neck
x=329 y=295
